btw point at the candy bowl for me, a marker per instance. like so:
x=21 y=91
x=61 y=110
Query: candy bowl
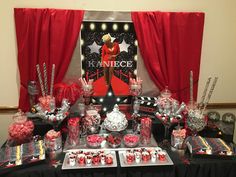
x=131 y=140
x=94 y=141
x=114 y=139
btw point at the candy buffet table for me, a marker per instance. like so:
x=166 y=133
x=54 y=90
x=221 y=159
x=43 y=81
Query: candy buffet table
x=183 y=166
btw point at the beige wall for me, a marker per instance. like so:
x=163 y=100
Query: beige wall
x=5 y=120
x=218 y=53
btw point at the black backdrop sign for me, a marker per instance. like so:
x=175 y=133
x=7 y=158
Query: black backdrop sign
x=126 y=62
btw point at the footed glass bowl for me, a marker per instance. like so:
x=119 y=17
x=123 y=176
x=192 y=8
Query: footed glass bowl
x=131 y=140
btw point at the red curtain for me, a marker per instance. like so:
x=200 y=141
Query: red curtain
x=44 y=35
x=170 y=44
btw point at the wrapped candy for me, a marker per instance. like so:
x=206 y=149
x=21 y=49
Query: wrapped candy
x=21 y=131
x=135 y=86
x=145 y=130
x=73 y=131
x=177 y=138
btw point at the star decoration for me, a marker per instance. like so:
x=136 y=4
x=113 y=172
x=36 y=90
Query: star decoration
x=94 y=48
x=112 y=39
x=110 y=100
x=213 y=116
x=228 y=118
x=124 y=46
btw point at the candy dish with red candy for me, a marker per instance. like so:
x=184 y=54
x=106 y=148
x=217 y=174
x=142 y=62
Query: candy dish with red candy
x=114 y=139
x=94 y=141
x=131 y=140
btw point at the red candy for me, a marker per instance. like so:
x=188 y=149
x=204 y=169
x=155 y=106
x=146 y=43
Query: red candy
x=146 y=156
x=114 y=139
x=96 y=159
x=145 y=131
x=21 y=132
x=73 y=130
x=131 y=138
x=162 y=156
x=46 y=101
x=94 y=140
x=109 y=159
x=130 y=157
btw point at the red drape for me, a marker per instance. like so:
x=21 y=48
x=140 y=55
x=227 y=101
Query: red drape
x=170 y=44
x=44 y=35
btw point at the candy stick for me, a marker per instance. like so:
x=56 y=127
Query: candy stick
x=45 y=78
x=191 y=88
x=84 y=81
x=90 y=82
x=210 y=93
x=52 y=80
x=205 y=91
x=40 y=80
x=81 y=81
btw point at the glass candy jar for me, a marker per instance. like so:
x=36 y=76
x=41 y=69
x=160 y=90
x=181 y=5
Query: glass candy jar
x=73 y=131
x=53 y=141
x=145 y=130
x=21 y=130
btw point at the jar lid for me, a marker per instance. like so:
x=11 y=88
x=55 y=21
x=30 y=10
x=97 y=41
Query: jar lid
x=166 y=93
x=115 y=121
x=19 y=117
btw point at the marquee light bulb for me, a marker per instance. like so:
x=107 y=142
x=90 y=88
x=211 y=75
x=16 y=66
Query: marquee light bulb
x=126 y=27
x=104 y=26
x=115 y=27
x=92 y=26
